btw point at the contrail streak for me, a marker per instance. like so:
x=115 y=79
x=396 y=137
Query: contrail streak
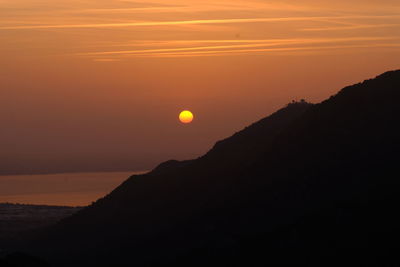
x=277 y=42
x=250 y=51
x=190 y=22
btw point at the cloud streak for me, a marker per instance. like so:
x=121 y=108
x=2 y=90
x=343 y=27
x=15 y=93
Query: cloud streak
x=351 y=27
x=178 y=7
x=235 y=47
x=270 y=50
x=193 y=22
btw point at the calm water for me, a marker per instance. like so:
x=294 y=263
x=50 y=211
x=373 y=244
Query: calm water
x=70 y=189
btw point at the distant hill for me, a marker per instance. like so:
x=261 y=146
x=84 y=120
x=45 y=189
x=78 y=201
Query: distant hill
x=310 y=184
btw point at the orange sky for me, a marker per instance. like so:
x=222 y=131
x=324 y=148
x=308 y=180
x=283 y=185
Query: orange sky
x=98 y=84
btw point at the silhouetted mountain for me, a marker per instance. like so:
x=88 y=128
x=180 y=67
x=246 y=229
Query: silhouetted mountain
x=310 y=184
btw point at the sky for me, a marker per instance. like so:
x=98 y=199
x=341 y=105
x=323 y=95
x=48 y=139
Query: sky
x=97 y=85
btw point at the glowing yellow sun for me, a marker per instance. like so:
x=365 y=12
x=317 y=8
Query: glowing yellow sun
x=186 y=116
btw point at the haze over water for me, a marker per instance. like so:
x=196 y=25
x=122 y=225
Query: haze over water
x=65 y=189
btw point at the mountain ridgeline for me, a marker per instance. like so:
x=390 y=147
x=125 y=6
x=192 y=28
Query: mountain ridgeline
x=313 y=184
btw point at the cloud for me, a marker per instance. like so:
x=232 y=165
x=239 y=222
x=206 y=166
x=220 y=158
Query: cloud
x=351 y=27
x=239 y=46
x=106 y=59
x=271 y=50
x=199 y=6
x=193 y=22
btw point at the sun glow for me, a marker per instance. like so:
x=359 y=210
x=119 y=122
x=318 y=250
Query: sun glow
x=186 y=116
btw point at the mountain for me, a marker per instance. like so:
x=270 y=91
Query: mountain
x=312 y=184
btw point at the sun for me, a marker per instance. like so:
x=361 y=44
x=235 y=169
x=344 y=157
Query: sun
x=186 y=116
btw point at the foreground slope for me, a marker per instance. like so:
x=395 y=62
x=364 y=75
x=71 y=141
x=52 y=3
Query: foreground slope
x=310 y=183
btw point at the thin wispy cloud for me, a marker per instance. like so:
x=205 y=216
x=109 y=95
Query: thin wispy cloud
x=198 y=7
x=106 y=59
x=108 y=30
x=192 y=22
x=251 y=46
x=253 y=43
x=281 y=41
x=268 y=50
x=351 y=27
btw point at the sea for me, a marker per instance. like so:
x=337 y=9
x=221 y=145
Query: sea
x=63 y=189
